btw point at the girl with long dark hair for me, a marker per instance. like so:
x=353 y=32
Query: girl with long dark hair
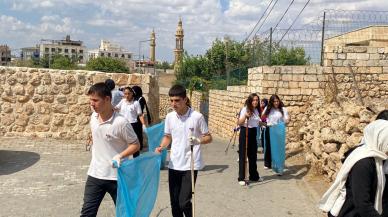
x=277 y=117
x=249 y=119
x=131 y=110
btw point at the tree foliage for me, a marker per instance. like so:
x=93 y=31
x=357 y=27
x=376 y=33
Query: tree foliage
x=163 y=65
x=106 y=64
x=234 y=58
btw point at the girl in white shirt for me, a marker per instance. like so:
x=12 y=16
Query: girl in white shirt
x=249 y=120
x=131 y=110
x=275 y=114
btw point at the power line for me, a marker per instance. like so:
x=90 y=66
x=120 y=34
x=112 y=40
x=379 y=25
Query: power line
x=273 y=6
x=289 y=6
x=300 y=12
x=249 y=35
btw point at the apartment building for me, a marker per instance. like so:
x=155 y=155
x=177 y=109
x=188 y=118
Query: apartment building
x=5 y=55
x=67 y=47
x=108 y=49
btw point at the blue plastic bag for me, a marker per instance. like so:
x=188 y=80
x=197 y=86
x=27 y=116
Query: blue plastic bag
x=277 y=135
x=137 y=185
x=155 y=135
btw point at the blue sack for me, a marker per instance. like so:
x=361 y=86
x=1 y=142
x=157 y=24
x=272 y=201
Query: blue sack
x=137 y=185
x=277 y=135
x=155 y=135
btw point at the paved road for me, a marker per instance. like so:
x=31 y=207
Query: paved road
x=44 y=177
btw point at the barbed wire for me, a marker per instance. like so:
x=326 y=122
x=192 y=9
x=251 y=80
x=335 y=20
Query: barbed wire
x=309 y=35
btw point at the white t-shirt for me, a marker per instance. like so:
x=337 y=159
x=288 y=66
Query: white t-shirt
x=109 y=139
x=130 y=110
x=117 y=96
x=275 y=116
x=180 y=128
x=253 y=120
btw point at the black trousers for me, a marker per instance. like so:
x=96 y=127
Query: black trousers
x=267 y=149
x=138 y=128
x=251 y=154
x=95 y=190
x=179 y=183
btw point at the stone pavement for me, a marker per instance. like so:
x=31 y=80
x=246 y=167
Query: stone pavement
x=45 y=177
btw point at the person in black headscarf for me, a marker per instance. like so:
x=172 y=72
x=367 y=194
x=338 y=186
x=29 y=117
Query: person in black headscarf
x=143 y=103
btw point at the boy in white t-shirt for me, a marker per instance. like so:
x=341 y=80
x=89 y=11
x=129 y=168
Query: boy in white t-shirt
x=113 y=140
x=183 y=127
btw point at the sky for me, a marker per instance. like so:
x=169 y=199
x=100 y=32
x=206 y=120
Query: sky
x=23 y=23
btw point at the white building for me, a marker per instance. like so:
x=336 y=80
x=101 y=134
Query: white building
x=72 y=49
x=108 y=49
x=28 y=53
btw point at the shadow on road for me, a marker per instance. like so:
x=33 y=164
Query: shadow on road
x=218 y=168
x=291 y=172
x=15 y=161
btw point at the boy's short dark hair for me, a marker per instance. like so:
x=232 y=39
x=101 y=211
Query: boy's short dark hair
x=110 y=83
x=101 y=89
x=177 y=90
x=383 y=115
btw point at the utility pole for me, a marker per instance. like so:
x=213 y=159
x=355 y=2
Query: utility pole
x=270 y=46
x=227 y=61
x=323 y=38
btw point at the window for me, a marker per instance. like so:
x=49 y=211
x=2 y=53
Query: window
x=81 y=57
x=108 y=54
x=46 y=49
x=81 y=51
x=72 y=50
x=122 y=56
x=116 y=55
x=59 y=50
x=129 y=56
x=53 y=50
x=102 y=54
x=66 y=50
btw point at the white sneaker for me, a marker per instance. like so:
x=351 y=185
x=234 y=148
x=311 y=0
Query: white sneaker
x=242 y=183
x=261 y=179
x=280 y=174
x=266 y=168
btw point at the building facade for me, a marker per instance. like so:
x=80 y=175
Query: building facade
x=68 y=48
x=111 y=50
x=28 y=53
x=5 y=55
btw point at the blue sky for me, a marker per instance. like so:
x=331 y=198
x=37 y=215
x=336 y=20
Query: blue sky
x=126 y=22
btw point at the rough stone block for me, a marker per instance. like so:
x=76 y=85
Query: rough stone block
x=310 y=78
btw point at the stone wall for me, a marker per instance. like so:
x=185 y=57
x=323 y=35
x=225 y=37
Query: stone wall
x=295 y=85
x=53 y=103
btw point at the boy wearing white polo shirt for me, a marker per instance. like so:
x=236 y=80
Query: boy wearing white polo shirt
x=113 y=139
x=183 y=127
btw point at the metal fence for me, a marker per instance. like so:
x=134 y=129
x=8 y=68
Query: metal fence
x=311 y=36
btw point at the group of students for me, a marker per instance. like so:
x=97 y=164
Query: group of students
x=258 y=117
x=117 y=136
x=130 y=103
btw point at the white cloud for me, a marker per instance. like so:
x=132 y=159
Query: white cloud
x=129 y=21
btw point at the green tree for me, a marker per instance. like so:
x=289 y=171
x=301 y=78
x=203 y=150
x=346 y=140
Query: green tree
x=293 y=56
x=63 y=62
x=163 y=65
x=106 y=64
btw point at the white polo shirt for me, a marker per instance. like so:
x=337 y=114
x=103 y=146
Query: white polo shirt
x=275 y=116
x=253 y=120
x=180 y=128
x=130 y=110
x=109 y=139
